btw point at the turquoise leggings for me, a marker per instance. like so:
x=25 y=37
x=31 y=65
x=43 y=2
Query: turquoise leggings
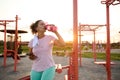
x=44 y=75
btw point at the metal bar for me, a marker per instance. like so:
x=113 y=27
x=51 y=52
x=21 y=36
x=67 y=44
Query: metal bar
x=92 y=25
x=80 y=45
x=5 y=47
x=75 y=41
x=1 y=23
x=16 y=43
x=108 y=66
x=7 y=20
x=87 y=27
x=94 y=49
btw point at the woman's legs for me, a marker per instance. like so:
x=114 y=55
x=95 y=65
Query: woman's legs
x=48 y=74
x=35 y=75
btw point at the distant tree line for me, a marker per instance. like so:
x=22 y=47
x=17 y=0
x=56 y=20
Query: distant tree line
x=69 y=45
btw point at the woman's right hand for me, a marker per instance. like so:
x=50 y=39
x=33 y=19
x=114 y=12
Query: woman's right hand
x=51 y=27
x=32 y=56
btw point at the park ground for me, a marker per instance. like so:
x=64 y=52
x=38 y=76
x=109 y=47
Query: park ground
x=88 y=70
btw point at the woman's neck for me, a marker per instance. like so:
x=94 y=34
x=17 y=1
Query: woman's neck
x=41 y=36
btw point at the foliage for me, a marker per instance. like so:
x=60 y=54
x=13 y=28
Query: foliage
x=1 y=46
x=115 y=45
x=1 y=49
x=25 y=49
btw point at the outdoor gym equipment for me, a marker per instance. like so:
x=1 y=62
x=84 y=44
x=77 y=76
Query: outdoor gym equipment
x=89 y=27
x=108 y=59
x=4 y=23
x=10 y=41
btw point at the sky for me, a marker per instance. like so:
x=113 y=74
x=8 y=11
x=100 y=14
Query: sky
x=60 y=13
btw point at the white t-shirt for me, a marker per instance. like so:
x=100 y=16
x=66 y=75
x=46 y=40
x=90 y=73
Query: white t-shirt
x=43 y=51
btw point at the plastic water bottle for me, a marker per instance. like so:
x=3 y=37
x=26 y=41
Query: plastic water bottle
x=51 y=27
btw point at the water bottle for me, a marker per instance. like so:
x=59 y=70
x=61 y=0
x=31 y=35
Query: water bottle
x=51 y=27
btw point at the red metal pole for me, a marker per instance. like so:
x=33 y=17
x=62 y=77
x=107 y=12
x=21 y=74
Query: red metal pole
x=16 y=42
x=94 y=49
x=75 y=41
x=80 y=45
x=5 y=47
x=108 y=66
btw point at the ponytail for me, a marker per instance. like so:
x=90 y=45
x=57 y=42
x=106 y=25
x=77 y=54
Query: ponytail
x=33 y=26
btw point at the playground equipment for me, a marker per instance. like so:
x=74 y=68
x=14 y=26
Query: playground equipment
x=108 y=60
x=109 y=2
x=89 y=27
x=10 y=40
x=15 y=51
x=73 y=66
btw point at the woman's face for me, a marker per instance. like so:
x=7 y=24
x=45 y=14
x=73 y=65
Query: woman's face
x=41 y=26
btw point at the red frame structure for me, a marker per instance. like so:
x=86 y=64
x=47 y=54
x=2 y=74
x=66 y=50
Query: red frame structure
x=4 y=23
x=73 y=60
x=73 y=67
x=89 y=27
x=108 y=59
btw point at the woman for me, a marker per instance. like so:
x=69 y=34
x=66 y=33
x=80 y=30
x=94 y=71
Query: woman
x=41 y=45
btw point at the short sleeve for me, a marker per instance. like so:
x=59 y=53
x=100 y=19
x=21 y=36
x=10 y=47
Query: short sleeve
x=52 y=38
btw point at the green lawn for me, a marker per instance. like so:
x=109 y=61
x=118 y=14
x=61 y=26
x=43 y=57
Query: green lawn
x=114 y=56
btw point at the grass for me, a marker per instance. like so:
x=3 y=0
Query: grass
x=114 y=56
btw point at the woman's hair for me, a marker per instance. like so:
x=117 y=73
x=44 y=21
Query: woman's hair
x=33 y=26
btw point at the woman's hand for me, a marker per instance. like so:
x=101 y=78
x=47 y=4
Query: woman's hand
x=32 y=56
x=51 y=27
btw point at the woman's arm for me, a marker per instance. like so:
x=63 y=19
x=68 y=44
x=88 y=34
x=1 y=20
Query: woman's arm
x=59 y=41
x=31 y=55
